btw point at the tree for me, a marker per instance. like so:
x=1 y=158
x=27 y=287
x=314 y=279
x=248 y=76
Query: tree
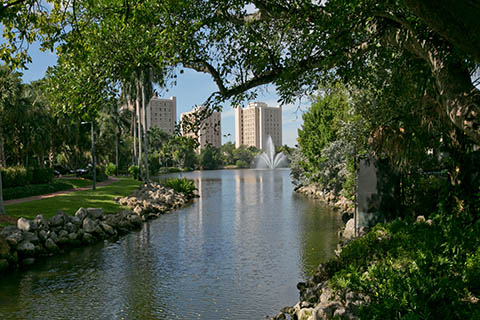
x=210 y=158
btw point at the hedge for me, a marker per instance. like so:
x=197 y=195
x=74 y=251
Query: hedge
x=34 y=190
x=21 y=176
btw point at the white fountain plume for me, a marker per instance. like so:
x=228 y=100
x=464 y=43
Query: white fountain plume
x=270 y=160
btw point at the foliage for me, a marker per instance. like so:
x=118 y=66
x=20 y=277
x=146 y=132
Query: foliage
x=242 y=164
x=100 y=174
x=110 y=169
x=20 y=176
x=34 y=190
x=134 y=171
x=405 y=269
x=184 y=185
x=209 y=158
x=41 y=175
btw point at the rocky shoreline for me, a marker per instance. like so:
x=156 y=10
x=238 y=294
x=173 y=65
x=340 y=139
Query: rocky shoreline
x=317 y=299
x=29 y=240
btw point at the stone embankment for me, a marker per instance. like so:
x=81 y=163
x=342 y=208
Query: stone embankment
x=29 y=240
x=338 y=202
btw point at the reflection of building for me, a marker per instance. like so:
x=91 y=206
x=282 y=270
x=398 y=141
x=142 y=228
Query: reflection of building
x=162 y=113
x=255 y=123
x=209 y=129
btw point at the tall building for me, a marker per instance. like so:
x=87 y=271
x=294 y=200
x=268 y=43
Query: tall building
x=210 y=129
x=162 y=113
x=255 y=123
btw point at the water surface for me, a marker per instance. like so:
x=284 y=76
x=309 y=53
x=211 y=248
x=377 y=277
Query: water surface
x=237 y=252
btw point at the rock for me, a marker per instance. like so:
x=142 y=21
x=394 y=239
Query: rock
x=114 y=219
x=63 y=238
x=42 y=235
x=62 y=233
x=41 y=222
x=12 y=258
x=28 y=261
x=4 y=248
x=3 y=265
x=26 y=225
x=53 y=235
x=15 y=238
x=107 y=228
x=304 y=314
x=135 y=220
x=58 y=219
x=26 y=248
x=51 y=245
x=88 y=238
x=89 y=225
x=349 y=231
x=31 y=237
x=71 y=227
x=81 y=214
x=76 y=221
x=73 y=237
x=8 y=230
x=94 y=213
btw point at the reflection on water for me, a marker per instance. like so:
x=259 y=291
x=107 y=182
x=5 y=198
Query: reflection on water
x=236 y=252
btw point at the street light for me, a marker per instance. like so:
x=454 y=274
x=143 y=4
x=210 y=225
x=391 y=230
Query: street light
x=93 y=156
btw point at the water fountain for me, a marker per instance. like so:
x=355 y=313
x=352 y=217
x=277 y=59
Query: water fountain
x=270 y=160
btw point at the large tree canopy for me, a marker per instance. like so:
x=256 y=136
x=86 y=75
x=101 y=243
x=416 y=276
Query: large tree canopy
x=244 y=44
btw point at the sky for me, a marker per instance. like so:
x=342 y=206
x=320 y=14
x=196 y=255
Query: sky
x=192 y=88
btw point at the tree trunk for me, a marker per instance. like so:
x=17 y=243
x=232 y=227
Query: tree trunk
x=116 y=152
x=139 y=127
x=2 y=208
x=2 y=149
x=145 y=145
x=134 y=120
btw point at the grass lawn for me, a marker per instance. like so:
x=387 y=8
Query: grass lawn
x=75 y=182
x=103 y=197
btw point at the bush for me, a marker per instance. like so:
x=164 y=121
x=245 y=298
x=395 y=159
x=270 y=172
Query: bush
x=111 y=169
x=134 y=171
x=184 y=185
x=15 y=177
x=100 y=174
x=42 y=175
x=242 y=164
x=34 y=190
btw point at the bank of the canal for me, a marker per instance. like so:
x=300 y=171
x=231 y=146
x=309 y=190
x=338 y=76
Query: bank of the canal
x=237 y=252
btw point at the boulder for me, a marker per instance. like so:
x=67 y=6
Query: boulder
x=14 y=238
x=107 y=228
x=42 y=235
x=76 y=221
x=58 y=219
x=89 y=225
x=31 y=237
x=135 y=220
x=26 y=225
x=71 y=227
x=26 y=248
x=53 y=235
x=88 y=238
x=349 y=231
x=304 y=314
x=41 y=222
x=94 y=213
x=81 y=214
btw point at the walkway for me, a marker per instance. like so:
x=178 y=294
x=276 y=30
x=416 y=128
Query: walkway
x=59 y=193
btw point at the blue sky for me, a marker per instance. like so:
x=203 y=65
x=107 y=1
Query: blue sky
x=192 y=89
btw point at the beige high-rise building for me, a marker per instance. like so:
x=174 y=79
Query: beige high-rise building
x=162 y=113
x=255 y=123
x=210 y=129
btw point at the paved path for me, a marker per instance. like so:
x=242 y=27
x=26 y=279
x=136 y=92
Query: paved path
x=59 y=193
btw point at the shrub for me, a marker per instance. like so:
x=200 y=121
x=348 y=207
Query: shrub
x=41 y=175
x=134 y=171
x=241 y=164
x=15 y=176
x=34 y=190
x=111 y=169
x=100 y=174
x=184 y=185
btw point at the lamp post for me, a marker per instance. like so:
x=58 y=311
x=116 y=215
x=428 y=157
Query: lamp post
x=93 y=156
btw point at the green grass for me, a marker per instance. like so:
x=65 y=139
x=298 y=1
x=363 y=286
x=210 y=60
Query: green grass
x=75 y=182
x=103 y=197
